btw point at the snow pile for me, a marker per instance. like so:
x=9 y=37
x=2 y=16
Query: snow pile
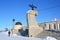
x=4 y=36
x=49 y=38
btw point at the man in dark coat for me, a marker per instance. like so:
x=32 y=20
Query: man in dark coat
x=9 y=33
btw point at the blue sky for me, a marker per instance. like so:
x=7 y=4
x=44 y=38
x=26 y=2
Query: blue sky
x=17 y=9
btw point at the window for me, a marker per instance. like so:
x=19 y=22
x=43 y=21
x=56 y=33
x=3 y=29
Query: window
x=49 y=27
x=44 y=26
x=59 y=26
x=54 y=26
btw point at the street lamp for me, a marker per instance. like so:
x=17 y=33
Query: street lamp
x=13 y=20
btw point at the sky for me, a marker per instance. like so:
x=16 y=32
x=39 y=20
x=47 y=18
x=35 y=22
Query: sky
x=17 y=9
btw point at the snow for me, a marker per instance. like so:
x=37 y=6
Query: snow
x=4 y=36
x=49 y=38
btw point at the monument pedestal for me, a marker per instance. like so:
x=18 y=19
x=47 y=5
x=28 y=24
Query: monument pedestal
x=33 y=32
x=34 y=28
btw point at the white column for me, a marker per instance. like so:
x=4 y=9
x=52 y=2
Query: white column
x=52 y=27
x=58 y=26
x=47 y=27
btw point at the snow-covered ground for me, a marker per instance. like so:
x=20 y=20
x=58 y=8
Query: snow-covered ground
x=4 y=36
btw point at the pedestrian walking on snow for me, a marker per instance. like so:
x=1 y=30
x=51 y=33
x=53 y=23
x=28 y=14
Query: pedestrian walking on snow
x=9 y=33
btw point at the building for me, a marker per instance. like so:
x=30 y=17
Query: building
x=19 y=30
x=17 y=26
x=51 y=25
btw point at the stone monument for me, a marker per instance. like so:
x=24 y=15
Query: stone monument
x=34 y=29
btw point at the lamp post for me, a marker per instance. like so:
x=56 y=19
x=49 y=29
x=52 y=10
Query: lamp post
x=13 y=20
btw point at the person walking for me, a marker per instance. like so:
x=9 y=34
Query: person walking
x=9 y=33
